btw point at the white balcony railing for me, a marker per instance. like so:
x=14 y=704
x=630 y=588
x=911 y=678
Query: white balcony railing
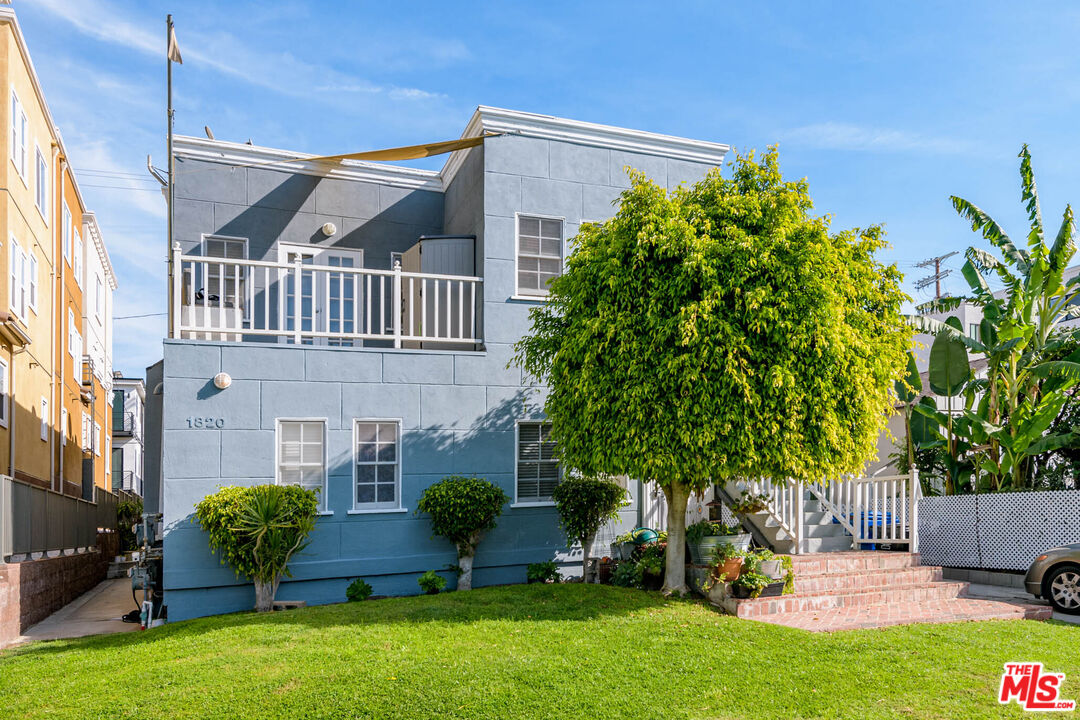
x=301 y=302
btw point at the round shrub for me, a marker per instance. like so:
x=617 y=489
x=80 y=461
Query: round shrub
x=462 y=509
x=584 y=505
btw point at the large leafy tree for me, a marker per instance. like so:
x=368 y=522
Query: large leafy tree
x=715 y=332
x=1027 y=381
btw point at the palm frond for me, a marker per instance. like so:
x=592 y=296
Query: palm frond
x=942 y=304
x=1030 y=195
x=983 y=223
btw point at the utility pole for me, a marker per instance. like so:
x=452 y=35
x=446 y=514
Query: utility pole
x=938 y=275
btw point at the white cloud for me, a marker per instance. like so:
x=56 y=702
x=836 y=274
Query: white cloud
x=225 y=53
x=846 y=136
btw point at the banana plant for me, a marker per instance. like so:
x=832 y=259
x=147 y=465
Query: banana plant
x=1024 y=389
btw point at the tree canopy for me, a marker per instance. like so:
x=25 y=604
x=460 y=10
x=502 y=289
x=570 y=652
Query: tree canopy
x=719 y=331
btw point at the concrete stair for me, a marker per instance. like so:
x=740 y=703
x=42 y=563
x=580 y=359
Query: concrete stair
x=820 y=533
x=849 y=590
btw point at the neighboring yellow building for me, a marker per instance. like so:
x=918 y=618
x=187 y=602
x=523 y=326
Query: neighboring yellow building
x=56 y=286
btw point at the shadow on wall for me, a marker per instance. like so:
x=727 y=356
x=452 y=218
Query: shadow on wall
x=378 y=219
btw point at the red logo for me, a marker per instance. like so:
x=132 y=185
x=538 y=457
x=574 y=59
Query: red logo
x=1033 y=689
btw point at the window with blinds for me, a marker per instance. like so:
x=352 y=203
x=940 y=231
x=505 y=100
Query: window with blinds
x=537 y=467
x=302 y=455
x=539 y=254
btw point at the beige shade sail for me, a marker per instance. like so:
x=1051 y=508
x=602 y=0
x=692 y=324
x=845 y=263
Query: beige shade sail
x=409 y=152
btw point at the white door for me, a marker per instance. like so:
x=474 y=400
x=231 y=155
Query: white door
x=328 y=300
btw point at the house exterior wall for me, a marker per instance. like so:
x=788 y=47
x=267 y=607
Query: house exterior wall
x=458 y=410
x=128 y=432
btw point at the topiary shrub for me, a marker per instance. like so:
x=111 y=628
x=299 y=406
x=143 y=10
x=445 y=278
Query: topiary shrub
x=584 y=505
x=256 y=531
x=462 y=509
x=358 y=590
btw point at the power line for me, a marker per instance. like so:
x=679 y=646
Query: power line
x=131 y=317
x=937 y=276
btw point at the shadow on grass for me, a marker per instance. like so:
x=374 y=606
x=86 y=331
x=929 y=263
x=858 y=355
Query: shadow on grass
x=572 y=602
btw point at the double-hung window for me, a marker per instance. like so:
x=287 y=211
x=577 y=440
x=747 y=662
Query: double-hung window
x=20 y=280
x=76 y=266
x=44 y=418
x=65 y=232
x=97 y=438
x=539 y=253
x=99 y=298
x=301 y=455
x=538 y=471
x=4 y=404
x=41 y=184
x=75 y=345
x=18 y=135
x=225 y=281
x=378 y=465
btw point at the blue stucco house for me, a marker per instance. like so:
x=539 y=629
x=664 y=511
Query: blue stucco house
x=348 y=326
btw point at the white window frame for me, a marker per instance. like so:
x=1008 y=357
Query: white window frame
x=324 y=508
x=65 y=232
x=541 y=294
x=41 y=183
x=97 y=438
x=210 y=270
x=376 y=507
x=5 y=404
x=84 y=436
x=20 y=130
x=75 y=346
x=99 y=298
x=32 y=287
x=518 y=502
x=18 y=280
x=77 y=262
x=44 y=407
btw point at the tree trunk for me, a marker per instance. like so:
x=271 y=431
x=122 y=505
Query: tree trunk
x=465 y=563
x=586 y=574
x=264 y=595
x=677 y=495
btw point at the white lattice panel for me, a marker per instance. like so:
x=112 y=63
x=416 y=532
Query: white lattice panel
x=1002 y=531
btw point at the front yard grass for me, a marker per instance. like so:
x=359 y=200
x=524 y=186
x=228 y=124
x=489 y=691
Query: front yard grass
x=536 y=651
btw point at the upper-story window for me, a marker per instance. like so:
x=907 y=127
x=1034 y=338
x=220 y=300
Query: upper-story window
x=3 y=393
x=539 y=253
x=20 y=279
x=76 y=266
x=41 y=184
x=18 y=135
x=99 y=298
x=224 y=281
x=65 y=232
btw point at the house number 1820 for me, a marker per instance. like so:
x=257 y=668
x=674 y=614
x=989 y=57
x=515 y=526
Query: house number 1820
x=206 y=423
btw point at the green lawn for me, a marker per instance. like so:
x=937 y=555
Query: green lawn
x=533 y=651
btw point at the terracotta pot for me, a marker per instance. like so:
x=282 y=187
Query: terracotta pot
x=730 y=569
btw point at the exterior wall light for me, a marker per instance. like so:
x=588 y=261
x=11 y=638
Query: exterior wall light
x=329 y=229
x=222 y=381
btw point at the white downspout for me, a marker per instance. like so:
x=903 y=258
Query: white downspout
x=53 y=410
x=63 y=314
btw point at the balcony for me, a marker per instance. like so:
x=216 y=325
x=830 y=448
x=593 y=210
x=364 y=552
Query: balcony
x=302 y=302
x=125 y=424
x=127 y=480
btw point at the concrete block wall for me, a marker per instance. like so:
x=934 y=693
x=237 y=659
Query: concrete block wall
x=457 y=410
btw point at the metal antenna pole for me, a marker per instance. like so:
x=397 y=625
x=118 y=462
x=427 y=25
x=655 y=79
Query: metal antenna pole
x=172 y=167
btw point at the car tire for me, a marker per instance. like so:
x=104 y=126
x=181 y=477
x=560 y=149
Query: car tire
x=1062 y=588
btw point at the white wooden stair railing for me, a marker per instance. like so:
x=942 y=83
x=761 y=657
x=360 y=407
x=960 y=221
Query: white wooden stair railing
x=785 y=505
x=874 y=509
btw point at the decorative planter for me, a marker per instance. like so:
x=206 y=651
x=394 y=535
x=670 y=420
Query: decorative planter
x=730 y=569
x=772 y=569
x=622 y=551
x=773 y=590
x=702 y=550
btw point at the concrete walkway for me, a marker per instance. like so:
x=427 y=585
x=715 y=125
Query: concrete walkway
x=1010 y=594
x=95 y=612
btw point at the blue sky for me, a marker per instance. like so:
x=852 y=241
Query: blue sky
x=887 y=108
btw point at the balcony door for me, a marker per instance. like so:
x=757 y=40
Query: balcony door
x=328 y=300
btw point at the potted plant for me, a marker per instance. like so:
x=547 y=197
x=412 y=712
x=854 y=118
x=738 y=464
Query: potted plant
x=651 y=565
x=726 y=562
x=749 y=585
x=769 y=565
x=704 y=536
x=623 y=546
x=749 y=503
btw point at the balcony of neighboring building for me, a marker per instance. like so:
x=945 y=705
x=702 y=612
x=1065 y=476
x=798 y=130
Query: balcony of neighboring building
x=125 y=424
x=127 y=480
x=325 y=296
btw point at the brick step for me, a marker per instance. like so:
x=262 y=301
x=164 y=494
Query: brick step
x=932 y=611
x=915 y=593
x=851 y=561
x=867 y=579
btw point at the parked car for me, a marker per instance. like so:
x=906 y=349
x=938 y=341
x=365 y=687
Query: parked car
x=1055 y=576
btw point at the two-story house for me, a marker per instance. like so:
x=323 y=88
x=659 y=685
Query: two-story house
x=128 y=413
x=350 y=327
